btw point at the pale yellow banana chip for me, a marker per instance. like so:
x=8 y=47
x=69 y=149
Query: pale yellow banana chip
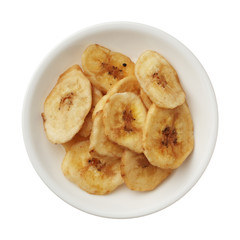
x=67 y=105
x=93 y=175
x=124 y=117
x=147 y=102
x=138 y=174
x=99 y=143
x=128 y=84
x=159 y=80
x=168 y=136
x=88 y=122
x=105 y=68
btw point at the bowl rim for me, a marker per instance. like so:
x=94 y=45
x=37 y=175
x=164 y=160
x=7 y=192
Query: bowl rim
x=115 y=25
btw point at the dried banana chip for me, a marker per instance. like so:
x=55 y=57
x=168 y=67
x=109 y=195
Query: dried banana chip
x=168 y=136
x=105 y=68
x=159 y=80
x=93 y=175
x=138 y=174
x=67 y=105
x=124 y=117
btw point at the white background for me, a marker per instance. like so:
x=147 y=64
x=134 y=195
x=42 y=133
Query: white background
x=30 y=29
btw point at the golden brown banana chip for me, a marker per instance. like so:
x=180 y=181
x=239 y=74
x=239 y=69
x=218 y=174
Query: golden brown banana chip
x=168 y=136
x=124 y=117
x=67 y=105
x=105 y=68
x=128 y=84
x=99 y=143
x=159 y=80
x=147 y=102
x=93 y=175
x=138 y=174
x=88 y=122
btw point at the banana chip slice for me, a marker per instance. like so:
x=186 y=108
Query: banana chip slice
x=168 y=136
x=105 y=68
x=88 y=122
x=128 y=84
x=99 y=143
x=67 y=105
x=147 y=102
x=94 y=175
x=124 y=117
x=138 y=174
x=159 y=80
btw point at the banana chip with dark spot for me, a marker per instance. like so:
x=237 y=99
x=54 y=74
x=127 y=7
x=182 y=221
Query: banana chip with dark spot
x=105 y=68
x=67 y=105
x=93 y=175
x=168 y=136
x=138 y=174
x=124 y=118
x=159 y=80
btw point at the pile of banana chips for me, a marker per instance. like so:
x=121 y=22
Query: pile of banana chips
x=119 y=122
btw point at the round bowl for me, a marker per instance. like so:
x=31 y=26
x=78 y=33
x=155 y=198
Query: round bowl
x=130 y=39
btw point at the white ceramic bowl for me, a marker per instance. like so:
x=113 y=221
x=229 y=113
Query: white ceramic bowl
x=130 y=39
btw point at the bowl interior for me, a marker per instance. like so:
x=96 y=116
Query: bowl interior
x=130 y=39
